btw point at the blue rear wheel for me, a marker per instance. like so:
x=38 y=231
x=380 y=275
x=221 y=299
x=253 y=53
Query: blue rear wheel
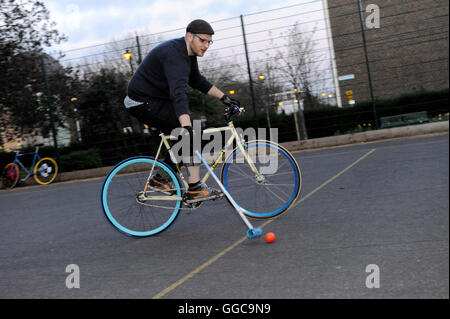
x=128 y=209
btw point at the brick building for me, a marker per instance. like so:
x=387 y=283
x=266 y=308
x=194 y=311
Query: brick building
x=408 y=52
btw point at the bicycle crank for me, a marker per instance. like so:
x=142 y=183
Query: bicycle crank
x=142 y=199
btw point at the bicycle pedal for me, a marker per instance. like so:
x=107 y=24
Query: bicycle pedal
x=192 y=206
x=219 y=196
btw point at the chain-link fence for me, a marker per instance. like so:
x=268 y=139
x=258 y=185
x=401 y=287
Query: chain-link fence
x=313 y=69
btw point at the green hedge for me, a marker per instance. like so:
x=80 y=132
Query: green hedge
x=329 y=121
x=79 y=160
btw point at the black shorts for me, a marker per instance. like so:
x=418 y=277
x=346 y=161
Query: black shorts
x=159 y=114
x=156 y=113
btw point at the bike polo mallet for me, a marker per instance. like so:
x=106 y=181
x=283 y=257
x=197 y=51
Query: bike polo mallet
x=251 y=232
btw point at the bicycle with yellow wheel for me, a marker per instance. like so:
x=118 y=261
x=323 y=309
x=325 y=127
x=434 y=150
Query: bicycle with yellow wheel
x=44 y=170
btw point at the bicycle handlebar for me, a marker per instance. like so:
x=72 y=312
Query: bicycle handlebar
x=233 y=110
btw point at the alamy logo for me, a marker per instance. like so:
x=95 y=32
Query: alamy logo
x=373 y=19
x=373 y=279
x=214 y=144
x=73 y=279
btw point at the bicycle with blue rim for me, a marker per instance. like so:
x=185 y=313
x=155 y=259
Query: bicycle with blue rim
x=263 y=178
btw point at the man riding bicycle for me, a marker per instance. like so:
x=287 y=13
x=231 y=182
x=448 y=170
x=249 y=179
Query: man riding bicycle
x=157 y=95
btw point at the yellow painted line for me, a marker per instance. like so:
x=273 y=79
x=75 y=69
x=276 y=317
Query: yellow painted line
x=237 y=243
x=334 y=177
x=192 y=274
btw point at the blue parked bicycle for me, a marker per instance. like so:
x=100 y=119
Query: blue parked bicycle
x=44 y=170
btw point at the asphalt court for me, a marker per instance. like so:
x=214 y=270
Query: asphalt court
x=383 y=204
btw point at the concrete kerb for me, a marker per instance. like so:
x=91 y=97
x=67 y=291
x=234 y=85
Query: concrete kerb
x=324 y=142
x=369 y=136
x=83 y=174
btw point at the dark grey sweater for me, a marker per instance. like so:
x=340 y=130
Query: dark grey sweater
x=165 y=73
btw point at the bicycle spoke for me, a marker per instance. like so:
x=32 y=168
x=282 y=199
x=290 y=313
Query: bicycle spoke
x=126 y=210
x=249 y=177
x=271 y=193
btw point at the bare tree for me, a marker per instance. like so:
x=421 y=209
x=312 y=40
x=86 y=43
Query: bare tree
x=267 y=85
x=137 y=46
x=300 y=67
x=25 y=29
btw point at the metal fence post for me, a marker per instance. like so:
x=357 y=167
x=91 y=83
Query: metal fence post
x=139 y=50
x=332 y=55
x=249 y=73
x=363 y=32
x=50 y=107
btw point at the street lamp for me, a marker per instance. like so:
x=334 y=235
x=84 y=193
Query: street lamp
x=266 y=107
x=127 y=55
x=299 y=126
x=77 y=122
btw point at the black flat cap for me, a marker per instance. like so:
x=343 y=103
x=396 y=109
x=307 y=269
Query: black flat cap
x=200 y=26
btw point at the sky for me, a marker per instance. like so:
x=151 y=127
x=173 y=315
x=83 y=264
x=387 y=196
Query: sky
x=88 y=22
x=101 y=31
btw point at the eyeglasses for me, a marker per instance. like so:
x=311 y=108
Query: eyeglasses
x=203 y=40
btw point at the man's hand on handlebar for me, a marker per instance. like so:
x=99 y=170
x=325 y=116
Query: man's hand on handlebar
x=228 y=101
x=232 y=107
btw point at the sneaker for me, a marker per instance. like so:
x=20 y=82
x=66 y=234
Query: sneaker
x=200 y=193
x=159 y=183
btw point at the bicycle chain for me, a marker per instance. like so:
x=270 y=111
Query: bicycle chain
x=190 y=205
x=167 y=207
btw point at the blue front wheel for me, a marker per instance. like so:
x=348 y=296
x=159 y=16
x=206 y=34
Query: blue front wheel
x=264 y=178
x=131 y=211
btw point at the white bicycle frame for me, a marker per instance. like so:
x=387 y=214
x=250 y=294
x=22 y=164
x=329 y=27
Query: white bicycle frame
x=165 y=141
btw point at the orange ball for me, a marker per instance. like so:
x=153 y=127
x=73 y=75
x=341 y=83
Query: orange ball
x=270 y=237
